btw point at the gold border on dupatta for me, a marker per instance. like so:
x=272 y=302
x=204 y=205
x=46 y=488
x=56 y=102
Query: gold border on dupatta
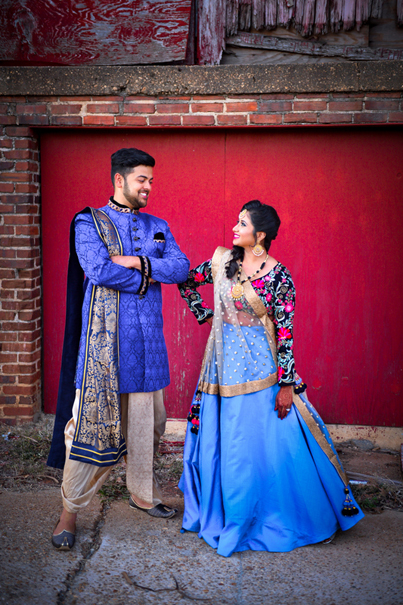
x=318 y=436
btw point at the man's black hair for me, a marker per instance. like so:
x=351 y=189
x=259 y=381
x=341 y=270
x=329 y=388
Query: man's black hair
x=124 y=160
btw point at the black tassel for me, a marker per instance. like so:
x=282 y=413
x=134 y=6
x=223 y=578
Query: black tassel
x=349 y=509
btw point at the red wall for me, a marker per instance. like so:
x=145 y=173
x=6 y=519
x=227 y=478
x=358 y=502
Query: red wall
x=339 y=194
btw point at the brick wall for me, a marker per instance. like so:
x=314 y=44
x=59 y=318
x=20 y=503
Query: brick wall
x=20 y=275
x=20 y=119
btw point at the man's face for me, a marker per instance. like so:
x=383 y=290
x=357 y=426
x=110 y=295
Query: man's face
x=136 y=186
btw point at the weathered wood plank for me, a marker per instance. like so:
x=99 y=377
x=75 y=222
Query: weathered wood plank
x=342 y=38
x=349 y=14
x=321 y=16
x=400 y=12
x=106 y=32
x=309 y=16
x=231 y=17
x=245 y=14
x=336 y=15
x=235 y=55
x=211 y=31
x=376 y=9
x=285 y=11
x=271 y=14
x=307 y=47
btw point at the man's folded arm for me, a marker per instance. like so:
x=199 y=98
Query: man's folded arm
x=173 y=267
x=94 y=259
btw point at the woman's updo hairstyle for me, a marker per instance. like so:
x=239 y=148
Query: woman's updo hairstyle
x=264 y=218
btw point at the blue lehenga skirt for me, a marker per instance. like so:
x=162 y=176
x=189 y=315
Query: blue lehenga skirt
x=254 y=482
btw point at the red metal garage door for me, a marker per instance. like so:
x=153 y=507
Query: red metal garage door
x=339 y=194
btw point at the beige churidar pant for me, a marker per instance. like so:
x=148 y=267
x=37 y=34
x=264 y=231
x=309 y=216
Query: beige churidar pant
x=143 y=418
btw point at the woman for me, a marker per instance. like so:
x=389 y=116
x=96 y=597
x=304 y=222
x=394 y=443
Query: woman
x=260 y=470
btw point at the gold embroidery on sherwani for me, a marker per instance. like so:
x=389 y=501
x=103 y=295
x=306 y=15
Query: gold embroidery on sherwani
x=98 y=432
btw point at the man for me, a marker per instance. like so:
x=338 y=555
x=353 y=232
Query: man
x=121 y=363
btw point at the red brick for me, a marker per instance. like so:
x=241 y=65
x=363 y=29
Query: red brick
x=8 y=336
x=65 y=109
x=232 y=119
x=27 y=230
x=6 y=188
x=26 y=188
x=27 y=379
x=29 y=273
x=19 y=390
x=3 y=107
x=6 y=230
x=275 y=106
x=207 y=107
x=19 y=131
x=131 y=121
x=139 y=98
x=196 y=120
x=348 y=95
x=335 y=118
x=14 y=177
x=277 y=97
x=173 y=98
x=29 y=357
x=396 y=116
x=300 y=118
x=312 y=95
x=29 y=337
x=8 y=400
x=207 y=97
x=8 y=357
x=116 y=98
x=99 y=120
x=31 y=109
x=34 y=120
x=66 y=121
x=5 y=208
x=19 y=347
x=7 y=380
x=73 y=99
x=103 y=108
x=310 y=105
x=369 y=118
x=26 y=144
x=18 y=410
x=385 y=95
x=345 y=105
x=6 y=165
x=8 y=120
x=17 y=154
x=6 y=143
x=172 y=107
x=246 y=106
x=139 y=108
x=7 y=273
x=376 y=105
x=165 y=120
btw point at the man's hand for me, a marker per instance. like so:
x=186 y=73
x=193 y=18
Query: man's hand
x=209 y=320
x=130 y=262
x=284 y=401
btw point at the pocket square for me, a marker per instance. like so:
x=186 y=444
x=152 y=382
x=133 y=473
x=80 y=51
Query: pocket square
x=159 y=237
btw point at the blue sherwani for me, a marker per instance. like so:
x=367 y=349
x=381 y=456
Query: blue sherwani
x=143 y=360
x=143 y=356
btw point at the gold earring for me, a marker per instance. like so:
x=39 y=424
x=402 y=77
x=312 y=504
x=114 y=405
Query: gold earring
x=258 y=250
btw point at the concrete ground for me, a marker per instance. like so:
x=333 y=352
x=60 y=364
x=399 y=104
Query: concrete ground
x=124 y=556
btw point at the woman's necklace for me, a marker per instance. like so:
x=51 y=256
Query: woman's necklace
x=237 y=289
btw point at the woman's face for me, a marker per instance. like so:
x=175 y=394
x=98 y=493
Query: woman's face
x=243 y=232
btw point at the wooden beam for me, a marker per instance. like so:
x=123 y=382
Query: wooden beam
x=305 y=47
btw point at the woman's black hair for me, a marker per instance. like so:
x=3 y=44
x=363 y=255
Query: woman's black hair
x=264 y=218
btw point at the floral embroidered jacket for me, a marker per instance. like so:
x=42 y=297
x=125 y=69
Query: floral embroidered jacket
x=277 y=292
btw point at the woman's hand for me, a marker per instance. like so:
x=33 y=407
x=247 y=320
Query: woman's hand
x=209 y=320
x=284 y=401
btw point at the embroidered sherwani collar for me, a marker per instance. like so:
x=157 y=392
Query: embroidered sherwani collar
x=120 y=208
